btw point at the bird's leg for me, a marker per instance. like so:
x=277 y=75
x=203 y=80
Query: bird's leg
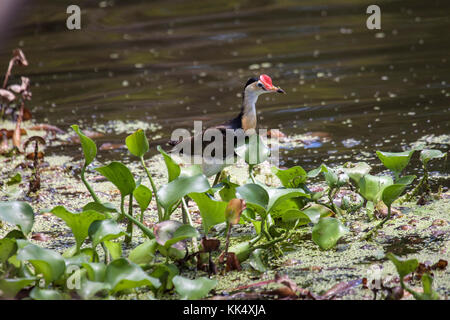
x=216 y=179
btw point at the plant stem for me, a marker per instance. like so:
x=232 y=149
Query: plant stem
x=107 y=260
x=189 y=221
x=122 y=208
x=272 y=242
x=130 y=223
x=86 y=184
x=378 y=226
x=148 y=232
x=264 y=231
x=250 y=173
x=160 y=215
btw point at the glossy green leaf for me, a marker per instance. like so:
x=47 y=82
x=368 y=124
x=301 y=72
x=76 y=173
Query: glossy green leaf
x=88 y=289
x=406 y=180
x=315 y=172
x=46 y=294
x=120 y=176
x=165 y=273
x=370 y=187
x=295 y=216
x=143 y=196
x=278 y=195
x=137 y=143
x=193 y=289
x=404 y=267
x=10 y=287
x=48 y=262
x=88 y=146
x=392 y=192
x=292 y=177
x=256 y=261
x=122 y=275
x=170 y=233
x=114 y=249
x=356 y=171
x=17 y=213
x=242 y=250
x=105 y=208
x=327 y=232
x=428 y=292
x=170 y=193
x=143 y=253
x=104 y=230
x=228 y=190
x=254 y=151
x=211 y=211
x=78 y=222
x=173 y=169
x=96 y=271
x=429 y=154
x=254 y=195
x=395 y=161
x=8 y=247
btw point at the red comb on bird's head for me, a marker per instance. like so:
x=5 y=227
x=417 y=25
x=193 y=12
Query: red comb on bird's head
x=266 y=80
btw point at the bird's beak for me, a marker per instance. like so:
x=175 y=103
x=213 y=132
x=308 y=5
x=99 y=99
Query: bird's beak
x=279 y=90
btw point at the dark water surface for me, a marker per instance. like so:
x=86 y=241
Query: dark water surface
x=172 y=62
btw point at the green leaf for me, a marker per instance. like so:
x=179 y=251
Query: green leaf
x=89 y=147
x=169 y=233
x=327 y=232
x=143 y=196
x=370 y=187
x=228 y=191
x=193 y=289
x=315 y=172
x=256 y=261
x=429 y=154
x=317 y=211
x=105 y=208
x=292 y=177
x=173 y=169
x=404 y=267
x=392 y=192
x=10 y=287
x=254 y=151
x=428 y=292
x=143 y=253
x=8 y=248
x=48 y=262
x=356 y=171
x=292 y=216
x=78 y=222
x=137 y=143
x=104 y=230
x=96 y=271
x=120 y=176
x=46 y=294
x=255 y=196
x=114 y=249
x=170 y=193
x=89 y=288
x=395 y=161
x=242 y=250
x=17 y=178
x=278 y=195
x=165 y=273
x=122 y=275
x=211 y=211
x=18 y=213
x=406 y=180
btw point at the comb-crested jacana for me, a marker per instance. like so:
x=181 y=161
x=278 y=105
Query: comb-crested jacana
x=246 y=120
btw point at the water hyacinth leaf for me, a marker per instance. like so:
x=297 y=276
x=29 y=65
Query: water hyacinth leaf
x=96 y=271
x=370 y=187
x=296 y=216
x=88 y=289
x=392 y=192
x=119 y=175
x=114 y=249
x=254 y=151
x=228 y=190
x=122 y=275
x=17 y=178
x=18 y=213
x=8 y=248
x=406 y=180
x=254 y=195
x=234 y=210
x=242 y=250
x=104 y=230
x=356 y=171
x=315 y=172
x=143 y=196
x=404 y=267
x=327 y=232
x=46 y=294
x=211 y=211
x=78 y=222
x=10 y=287
x=170 y=233
x=47 y=262
x=144 y=253
x=105 y=208
x=137 y=143
x=277 y=196
x=429 y=154
x=395 y=161
x=292 y=177
x=88 y=146
x=170 y=193
x=331 y=178
x=173 y=169
x=165 y=273
x=193 y=289
x=428 y=292
x=256 y=261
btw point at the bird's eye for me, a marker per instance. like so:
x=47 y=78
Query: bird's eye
x=260 y=84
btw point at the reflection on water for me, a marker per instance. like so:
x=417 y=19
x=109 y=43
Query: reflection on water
x=171 y=62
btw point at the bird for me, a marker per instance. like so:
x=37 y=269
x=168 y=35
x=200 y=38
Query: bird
x=245 y=121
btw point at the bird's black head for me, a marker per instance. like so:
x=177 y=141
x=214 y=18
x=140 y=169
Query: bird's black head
x=250 y=81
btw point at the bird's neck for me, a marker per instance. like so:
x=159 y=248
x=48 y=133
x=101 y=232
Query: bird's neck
x=248 y=112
